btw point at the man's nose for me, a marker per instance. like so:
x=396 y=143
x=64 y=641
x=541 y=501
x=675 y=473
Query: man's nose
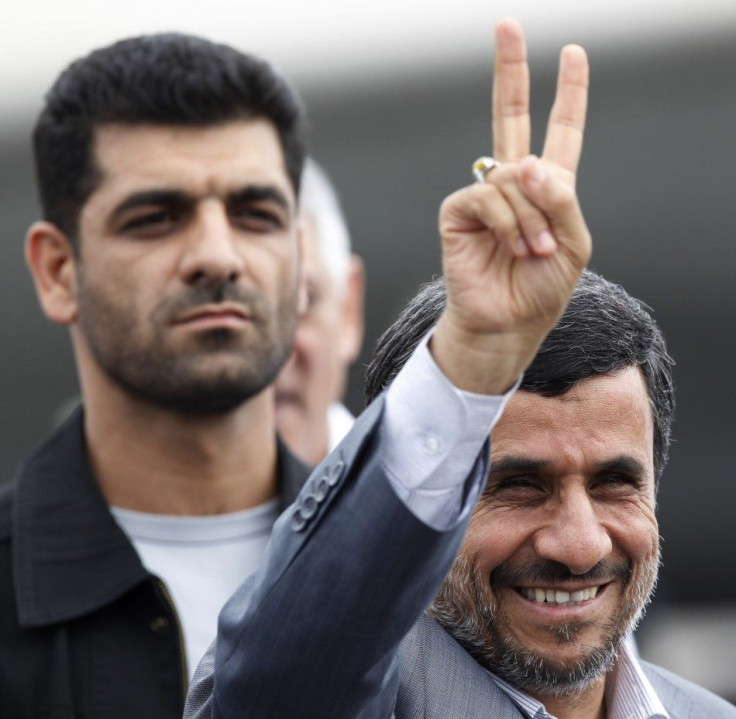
x=211 y=252
x=575 y=536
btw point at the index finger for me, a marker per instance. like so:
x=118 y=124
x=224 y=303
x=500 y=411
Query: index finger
x=564 y=142
x=511 y=122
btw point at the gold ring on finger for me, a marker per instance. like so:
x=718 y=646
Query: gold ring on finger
x=482 y=166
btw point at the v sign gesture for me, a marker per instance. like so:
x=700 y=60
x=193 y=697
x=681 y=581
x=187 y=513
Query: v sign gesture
x=514 y=245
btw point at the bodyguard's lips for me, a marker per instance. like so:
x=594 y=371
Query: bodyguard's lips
x=225 y=315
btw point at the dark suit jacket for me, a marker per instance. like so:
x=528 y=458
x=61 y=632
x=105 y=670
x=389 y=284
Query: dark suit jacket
x=332 y=626
x=85 y=631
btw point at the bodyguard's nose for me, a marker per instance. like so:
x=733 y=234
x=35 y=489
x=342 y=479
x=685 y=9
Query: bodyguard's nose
x=575 y=537
x=211 y=252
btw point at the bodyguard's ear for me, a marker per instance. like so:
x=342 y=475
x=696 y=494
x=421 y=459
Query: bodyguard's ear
x=52 y=263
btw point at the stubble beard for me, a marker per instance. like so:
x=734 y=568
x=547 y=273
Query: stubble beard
x=469 y=612
x=216 y=373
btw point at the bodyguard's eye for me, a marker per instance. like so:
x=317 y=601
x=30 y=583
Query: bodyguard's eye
x=151 y=223
x=256 y=219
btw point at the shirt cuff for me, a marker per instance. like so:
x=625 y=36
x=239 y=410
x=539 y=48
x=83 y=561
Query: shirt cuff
x=434 y=440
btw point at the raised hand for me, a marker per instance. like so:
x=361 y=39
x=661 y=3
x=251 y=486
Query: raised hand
x=514 y=245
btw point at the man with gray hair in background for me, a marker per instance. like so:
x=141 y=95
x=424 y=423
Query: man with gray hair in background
x=309 y=414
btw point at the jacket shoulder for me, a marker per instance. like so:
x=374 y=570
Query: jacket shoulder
x=683 y=698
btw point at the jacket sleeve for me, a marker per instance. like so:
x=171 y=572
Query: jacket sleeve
x=348 y=570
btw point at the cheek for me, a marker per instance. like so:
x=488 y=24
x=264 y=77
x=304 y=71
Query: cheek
x=494 y=537
x=636 y=532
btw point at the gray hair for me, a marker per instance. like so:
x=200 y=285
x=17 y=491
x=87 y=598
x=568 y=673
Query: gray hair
x=319 y=200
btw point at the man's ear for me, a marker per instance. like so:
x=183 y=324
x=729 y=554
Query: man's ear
x=51 y=260
x=353 y=310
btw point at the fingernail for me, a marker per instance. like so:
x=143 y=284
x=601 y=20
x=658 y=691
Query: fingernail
x=545 y=242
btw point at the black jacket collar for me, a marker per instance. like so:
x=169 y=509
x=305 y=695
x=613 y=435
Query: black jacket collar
x=69 y=555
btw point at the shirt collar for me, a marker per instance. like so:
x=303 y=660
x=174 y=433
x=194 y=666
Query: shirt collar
x=629 y=694
x=70 y=557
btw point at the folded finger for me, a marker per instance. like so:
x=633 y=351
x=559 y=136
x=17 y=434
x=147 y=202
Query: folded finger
x=531 y=221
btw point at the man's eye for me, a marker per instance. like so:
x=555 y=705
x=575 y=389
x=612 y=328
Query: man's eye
x=518 y=484
x=616 y=482
x=151 y=223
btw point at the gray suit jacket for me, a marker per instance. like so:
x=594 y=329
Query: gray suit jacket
x=328 y=627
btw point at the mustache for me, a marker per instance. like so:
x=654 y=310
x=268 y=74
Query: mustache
x=547 y=571
x=214 y=291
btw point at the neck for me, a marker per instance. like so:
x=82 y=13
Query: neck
x=588 y=704
x=151 y=459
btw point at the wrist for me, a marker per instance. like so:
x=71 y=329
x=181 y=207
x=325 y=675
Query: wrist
x=481 y=363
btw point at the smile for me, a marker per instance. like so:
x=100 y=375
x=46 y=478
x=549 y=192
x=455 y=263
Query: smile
x=556 y=596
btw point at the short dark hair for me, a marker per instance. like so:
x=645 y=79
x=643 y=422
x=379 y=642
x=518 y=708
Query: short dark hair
x=160 y=79
x=603 y=329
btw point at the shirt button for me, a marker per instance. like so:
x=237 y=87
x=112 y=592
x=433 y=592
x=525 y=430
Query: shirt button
x=432 y=443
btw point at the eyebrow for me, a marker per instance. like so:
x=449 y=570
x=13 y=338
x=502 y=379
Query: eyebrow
x=165 y=197
x=515 y=463
x=623 y=463
x=260 y=193
x=147 y=198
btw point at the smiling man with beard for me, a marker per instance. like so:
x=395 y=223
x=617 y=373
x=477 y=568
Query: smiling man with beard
x=562 y=551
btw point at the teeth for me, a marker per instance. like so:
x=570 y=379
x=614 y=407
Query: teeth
x=550 y=596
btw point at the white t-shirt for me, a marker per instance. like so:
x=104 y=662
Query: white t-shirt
x=201 y=560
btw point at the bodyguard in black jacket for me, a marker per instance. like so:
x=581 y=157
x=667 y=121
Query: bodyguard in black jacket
x=168 y=171
x=85 y=630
